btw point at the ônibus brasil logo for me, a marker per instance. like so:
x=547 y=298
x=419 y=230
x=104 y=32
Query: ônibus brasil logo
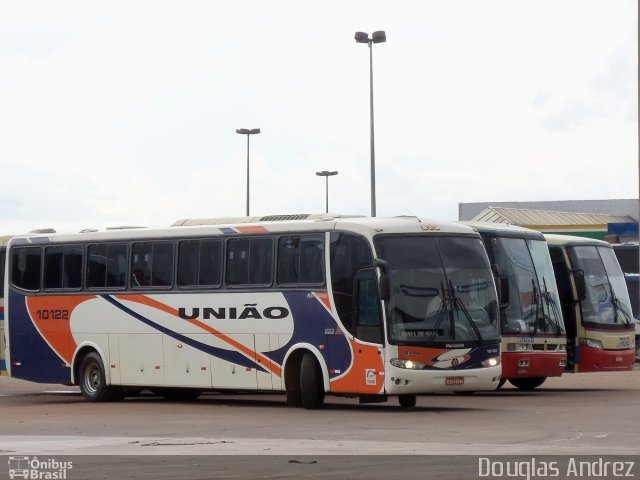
x=37 y=469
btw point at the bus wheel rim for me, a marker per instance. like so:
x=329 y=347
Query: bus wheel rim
x=92 y=378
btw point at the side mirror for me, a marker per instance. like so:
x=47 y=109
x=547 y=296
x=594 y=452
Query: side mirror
x=581 y=289
x=383 y=265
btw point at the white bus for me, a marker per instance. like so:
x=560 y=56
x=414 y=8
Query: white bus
x=363 y=307
x=533 y=333
x=595 y=304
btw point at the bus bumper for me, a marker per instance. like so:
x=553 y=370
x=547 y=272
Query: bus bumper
x=399 y=381
x=597 y=360
x=533 y=364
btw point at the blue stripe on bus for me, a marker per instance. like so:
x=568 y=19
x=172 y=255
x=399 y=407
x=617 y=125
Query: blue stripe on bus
x=228 y=355
x=313 y=324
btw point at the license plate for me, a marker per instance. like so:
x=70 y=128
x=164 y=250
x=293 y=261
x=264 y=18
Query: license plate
x=454 y=381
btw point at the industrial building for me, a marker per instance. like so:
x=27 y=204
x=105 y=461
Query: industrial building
x=612 y=220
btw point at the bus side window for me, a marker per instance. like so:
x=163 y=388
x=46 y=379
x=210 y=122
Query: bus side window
x=152 y=264
x=63 y=267
x=301 y=260
x=200 y=263
x=249 y=261
x=25 y=271
x=117 y=265
x=368 y=314
x=107 y=266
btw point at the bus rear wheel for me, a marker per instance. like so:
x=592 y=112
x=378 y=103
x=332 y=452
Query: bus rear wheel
x=311 y=384
x=530 y=383
x=92 y=380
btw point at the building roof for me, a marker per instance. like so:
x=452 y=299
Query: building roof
x=619 y=206
x=537 y=219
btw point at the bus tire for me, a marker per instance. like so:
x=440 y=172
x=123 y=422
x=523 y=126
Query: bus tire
x=407 y=400
x=92 y=380
x=530 y=383
x=311 y=383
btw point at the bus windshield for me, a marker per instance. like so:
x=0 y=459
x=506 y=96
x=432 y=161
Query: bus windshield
x=533 y=306
x=607 y=300
x=441 y=290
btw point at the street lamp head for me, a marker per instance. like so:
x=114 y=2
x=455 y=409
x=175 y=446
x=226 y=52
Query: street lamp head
x=246 y=131
x=378 y=37
x=362 y=37
x=325 y=173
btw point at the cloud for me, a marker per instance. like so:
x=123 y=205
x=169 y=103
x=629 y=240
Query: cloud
x=126 y=113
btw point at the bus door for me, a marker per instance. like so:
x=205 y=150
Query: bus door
x=355 y=357
x=568 y=304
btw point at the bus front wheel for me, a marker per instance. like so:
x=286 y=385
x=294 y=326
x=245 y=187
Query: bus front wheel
x=407 y=400
x=530 y=383
x=311 y=384
x=92 y=380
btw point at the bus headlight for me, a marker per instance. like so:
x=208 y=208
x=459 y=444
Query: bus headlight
x=491 y=362
x=519 y=347
x=590 y=342
x=562 y=347
x=408 y=364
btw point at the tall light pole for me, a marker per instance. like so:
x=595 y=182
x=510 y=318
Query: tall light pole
x=248 y=133
x=376 y=37
x=326 y=175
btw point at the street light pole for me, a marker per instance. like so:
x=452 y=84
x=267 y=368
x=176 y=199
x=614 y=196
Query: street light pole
x=248 y=133
x=376 y=37
x=326 y=175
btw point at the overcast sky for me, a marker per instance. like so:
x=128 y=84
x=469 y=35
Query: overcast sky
x=115 y=113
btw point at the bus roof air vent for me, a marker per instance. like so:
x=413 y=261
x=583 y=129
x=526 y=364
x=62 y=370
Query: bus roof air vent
x=284 y=218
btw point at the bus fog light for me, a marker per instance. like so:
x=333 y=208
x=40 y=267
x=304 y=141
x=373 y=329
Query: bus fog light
x=589 y=342
x=408 y=364
x=491 y=362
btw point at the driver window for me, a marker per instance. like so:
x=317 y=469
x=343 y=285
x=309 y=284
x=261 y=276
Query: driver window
x=368 y=314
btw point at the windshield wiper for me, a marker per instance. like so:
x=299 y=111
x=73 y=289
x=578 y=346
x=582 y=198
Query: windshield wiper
x=451 y=302
x=457 y=302
x=444 y=308
x=618 y=306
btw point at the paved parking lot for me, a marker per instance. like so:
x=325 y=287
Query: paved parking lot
x=589 y=414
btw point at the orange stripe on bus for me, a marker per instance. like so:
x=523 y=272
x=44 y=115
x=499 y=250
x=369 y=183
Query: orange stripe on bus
x=52 y=317
x=253 y=229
